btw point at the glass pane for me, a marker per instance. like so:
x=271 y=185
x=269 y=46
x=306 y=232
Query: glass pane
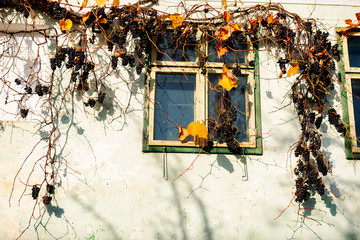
x=356 y=103
x=236 y=55
x=354 y=51
x=176 y=48
x=174 y=104
x=235 y=98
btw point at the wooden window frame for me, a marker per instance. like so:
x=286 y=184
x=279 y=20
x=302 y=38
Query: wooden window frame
x=252 y=146
x=346 y=58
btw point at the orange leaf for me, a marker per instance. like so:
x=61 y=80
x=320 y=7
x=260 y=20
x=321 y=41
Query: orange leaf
x=85 y=17
x=220 y=50
x=101 y=20
x=270 y=18
x=348 y=21
x=224 y=32
x=198 y=129
x=83 y=5
x=235 y=27
x=176 y=20
x=183 y=133
x=358 y=16
x=101 y=3
x=228 y=80
x=227 y=16
x=294 y=69
x=116 y=3
x=65 y=24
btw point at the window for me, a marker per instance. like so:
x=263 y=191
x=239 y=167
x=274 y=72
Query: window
x=183 y=88
x=351 y=92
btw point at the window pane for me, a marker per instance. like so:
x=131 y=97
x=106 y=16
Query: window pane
x=174 y=101
x=356 y=104
x=235 y=98
x=354 y=51
x=176 y=48
x=236 y=56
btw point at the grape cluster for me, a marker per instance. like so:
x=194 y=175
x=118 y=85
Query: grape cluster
x=334 y=119
x=35 y=192
x=308 y=27
x=24 y=112
x=203 y=60
x=18 y=81
x=50 y=188
x=302 y=190
x=114 y=62
x=22 y=8
x=237 y=71
x=28 y=90
x=41 y=90
x=101 y=97
x=282 y=62
x=90 y=103
x=47 y=199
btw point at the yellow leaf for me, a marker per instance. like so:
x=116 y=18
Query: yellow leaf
x=198 y=129
x=220 y=50
x=85 y=17
x=224 y=3
x=176 y=20
x=65 y=24
x=227 y=16
x=116 y=3
x=228 y=80
x=294 y=69
x=101 y=3
x=235 y=27
x=83 y=5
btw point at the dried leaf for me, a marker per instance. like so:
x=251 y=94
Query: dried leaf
x=101 y=3
x=358 y=16
x=224 y=32
x=227 y=16
x=198 y=129
x=220 y=50
x=348 y=21
x=176 y=20
x=224 y=3
x=116 y=3
x=83 y=5
x=101 y=20
x=65 y=24
x=194 y=129
x=235 y=27
x=294 y=69
x=85 y=17
x=183 y=133
x=228 y=80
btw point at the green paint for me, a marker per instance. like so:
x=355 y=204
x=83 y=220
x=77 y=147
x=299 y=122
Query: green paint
x=344 y=102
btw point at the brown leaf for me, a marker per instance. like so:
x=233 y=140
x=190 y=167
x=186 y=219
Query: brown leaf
x=220 y=50
x=358 y=16
x=224 y=32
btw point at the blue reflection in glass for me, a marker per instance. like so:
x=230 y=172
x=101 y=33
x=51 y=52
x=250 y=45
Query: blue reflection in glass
x=237 y=98
x=176 y=48
x=236 y=56
x=354 y=51
x=174 y=101
x=356 y=104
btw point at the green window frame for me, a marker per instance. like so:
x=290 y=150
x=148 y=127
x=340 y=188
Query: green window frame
x=350 y=76
x=252 y=146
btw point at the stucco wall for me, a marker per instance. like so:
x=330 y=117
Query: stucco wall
x=117 y=192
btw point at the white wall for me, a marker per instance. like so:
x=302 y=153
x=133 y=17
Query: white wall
x=118 y=192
